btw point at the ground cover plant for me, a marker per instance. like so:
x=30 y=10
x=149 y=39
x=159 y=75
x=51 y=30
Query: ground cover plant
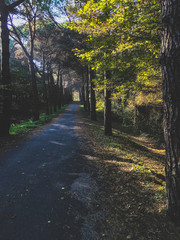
x=27 y=126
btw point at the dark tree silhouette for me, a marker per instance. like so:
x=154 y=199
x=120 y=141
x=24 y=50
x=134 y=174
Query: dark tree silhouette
x=170 y=59
x=5 y=79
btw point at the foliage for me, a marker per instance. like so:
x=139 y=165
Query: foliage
x=123 y=37
x=27 y=126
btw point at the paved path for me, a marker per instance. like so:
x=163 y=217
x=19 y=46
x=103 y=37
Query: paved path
x=45 y=191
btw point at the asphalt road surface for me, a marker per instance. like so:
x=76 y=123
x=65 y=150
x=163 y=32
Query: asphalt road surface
x=45 y=189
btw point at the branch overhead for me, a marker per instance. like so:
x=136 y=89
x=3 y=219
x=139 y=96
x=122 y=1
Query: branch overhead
x=15 y=4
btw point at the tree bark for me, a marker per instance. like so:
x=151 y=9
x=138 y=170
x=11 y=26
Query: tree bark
x=5 y=85
x=36 y=106
x=61 y=91
x=87 y=92
x=83 y=98
x=170 y=63
x=107 y=108
x=45 y=95
x=93 y=97
x=49 y=89
x=53 y=91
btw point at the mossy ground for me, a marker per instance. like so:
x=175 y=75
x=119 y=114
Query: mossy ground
x=29 y=125
x=19 y=131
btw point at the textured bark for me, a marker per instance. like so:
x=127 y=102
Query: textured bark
x=5 y=85
x=170 y=62
x=107 y=109
x=93 y=97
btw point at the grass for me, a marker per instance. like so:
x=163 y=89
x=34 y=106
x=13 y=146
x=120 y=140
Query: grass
x=25 y=127
x=131 y=170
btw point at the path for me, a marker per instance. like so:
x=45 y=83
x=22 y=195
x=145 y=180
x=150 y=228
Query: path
x=45 y=189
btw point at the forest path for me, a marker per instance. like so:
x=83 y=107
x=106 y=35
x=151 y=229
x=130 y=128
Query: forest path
x=46 y=187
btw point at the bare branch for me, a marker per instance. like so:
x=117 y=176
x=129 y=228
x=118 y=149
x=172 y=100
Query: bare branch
x=19 y=39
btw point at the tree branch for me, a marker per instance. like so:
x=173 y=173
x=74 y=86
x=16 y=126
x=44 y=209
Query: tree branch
x=14 y=4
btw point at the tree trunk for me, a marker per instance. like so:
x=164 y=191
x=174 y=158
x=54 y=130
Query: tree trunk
x=107 y=109
x=60 y=102
x=35 y=92
x=5 y=85
x=45 y=95
x=87 y=92
x=58 y=89
x=49 y=88
x=83 y=97
x=93 y=97
x=53 y=90
x=170 y=62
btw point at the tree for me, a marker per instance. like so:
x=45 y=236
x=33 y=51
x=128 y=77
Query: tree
x=170 y=58
x=93 y=96
x=24 y=35
x=93 y=19
x=5 y=80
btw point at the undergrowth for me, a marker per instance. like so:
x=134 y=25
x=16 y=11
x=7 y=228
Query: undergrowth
x=27 y=126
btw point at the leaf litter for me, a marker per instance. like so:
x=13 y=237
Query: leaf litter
x=130 y=174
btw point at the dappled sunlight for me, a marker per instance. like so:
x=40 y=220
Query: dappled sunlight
x=126 y=167
x=89 y=157
x=63 y=126
x=57 y=143
x=149 y=144
x=76 y=128
x=133 y=194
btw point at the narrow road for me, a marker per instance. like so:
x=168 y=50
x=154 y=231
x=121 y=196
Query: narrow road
x=45 y=188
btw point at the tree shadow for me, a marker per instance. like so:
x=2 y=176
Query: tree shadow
x=131 y=194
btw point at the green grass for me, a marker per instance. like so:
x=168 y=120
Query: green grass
x=27 y=126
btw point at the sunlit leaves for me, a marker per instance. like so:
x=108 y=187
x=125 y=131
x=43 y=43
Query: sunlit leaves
x=123 y=36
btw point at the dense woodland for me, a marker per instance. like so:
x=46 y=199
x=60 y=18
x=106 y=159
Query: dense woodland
x=108 y=52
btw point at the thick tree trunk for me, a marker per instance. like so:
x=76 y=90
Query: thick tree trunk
x=107 y=109
x=5 y=84
x=93 y=97
x=170 y=62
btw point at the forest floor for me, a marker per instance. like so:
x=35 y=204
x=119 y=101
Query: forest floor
x=66 y=180
x=130 y=171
